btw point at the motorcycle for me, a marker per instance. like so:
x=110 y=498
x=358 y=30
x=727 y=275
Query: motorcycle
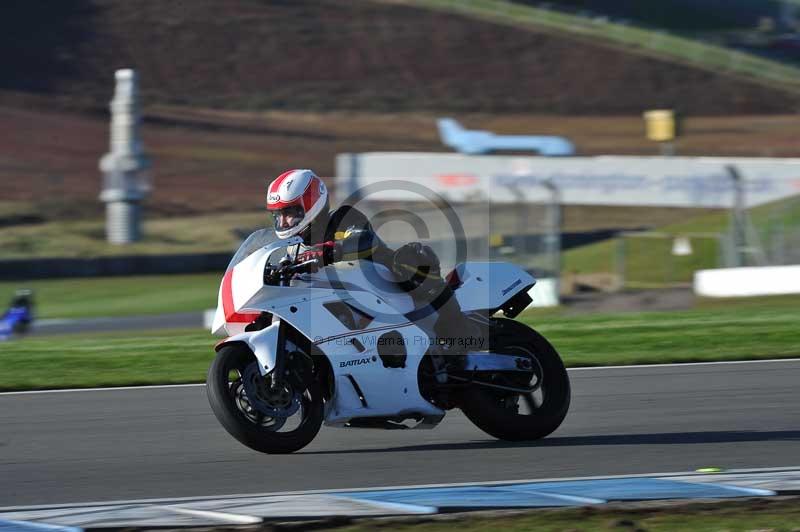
x=345 y=346
x=18 y=318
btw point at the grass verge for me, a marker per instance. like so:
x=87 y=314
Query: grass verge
x=779 y=514
x=765 y=328
x=668 y=337
x=213 y=233
x=119 y=296
x=86 y=361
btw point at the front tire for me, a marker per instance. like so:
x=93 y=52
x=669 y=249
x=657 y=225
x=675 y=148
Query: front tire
x=514 y=416
x=243 y=421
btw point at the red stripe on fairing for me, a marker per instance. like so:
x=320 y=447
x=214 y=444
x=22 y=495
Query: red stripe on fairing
x=231 y=316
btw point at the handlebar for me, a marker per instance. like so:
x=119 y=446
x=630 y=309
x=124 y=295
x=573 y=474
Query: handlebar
x=303 y=267
x=282 y=273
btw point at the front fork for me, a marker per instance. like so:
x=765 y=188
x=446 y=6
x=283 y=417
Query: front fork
x=284 y=367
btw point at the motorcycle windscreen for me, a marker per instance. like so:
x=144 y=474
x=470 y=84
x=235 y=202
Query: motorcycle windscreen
x=256 y=240
x=259 y=248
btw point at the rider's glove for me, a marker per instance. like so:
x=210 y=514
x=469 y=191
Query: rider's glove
x=325 y=253
x=417 y=261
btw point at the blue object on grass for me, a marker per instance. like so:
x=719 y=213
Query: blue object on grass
x=19 y=316
x=475 y=142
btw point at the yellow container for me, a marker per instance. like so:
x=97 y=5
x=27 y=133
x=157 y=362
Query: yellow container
x=660 y=125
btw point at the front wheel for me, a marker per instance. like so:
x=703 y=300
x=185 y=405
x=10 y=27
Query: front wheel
x=517 y=416
x=269 y=419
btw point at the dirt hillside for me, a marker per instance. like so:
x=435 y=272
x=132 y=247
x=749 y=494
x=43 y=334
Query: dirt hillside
x=240 y=90
x=341 y=54
x=213 y=161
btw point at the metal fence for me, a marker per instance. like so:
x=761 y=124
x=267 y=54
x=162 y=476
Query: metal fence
x=779 y=234
x=658 y=259
x=765 y=236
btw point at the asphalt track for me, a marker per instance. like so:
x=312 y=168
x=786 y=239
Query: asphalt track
x=82 y=446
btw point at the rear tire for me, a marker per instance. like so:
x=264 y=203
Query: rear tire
x=266 y=439
x=497 y=412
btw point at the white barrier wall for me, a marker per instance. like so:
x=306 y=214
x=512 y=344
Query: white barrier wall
x=745 y=282
x=604 y=180
x=545 y=293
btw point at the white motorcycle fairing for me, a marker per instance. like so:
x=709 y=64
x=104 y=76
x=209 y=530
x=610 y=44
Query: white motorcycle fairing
x=486 y=287
x=347 y=310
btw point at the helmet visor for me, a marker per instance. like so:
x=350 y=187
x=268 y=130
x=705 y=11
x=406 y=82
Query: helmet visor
x=288 y=217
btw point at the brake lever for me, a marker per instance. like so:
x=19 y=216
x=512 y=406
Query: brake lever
x=300 y=267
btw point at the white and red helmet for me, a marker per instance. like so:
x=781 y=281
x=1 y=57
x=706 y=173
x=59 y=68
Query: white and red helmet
x=295 y=199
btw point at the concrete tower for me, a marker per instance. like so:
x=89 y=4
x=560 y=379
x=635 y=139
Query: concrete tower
x=125 y=179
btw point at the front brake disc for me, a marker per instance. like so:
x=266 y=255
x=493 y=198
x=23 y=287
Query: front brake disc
x=283 y=402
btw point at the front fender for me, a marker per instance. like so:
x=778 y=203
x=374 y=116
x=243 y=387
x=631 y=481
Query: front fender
x=263 y=343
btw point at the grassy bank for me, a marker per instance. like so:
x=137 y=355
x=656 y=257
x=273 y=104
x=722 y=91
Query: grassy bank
x=751 y=330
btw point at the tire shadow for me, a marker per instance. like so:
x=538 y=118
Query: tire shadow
x=667 y=438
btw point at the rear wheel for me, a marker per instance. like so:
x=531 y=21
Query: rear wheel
x=515 y=416
x=265 y=417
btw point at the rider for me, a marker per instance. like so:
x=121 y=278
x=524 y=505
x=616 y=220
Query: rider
x=298 y=200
